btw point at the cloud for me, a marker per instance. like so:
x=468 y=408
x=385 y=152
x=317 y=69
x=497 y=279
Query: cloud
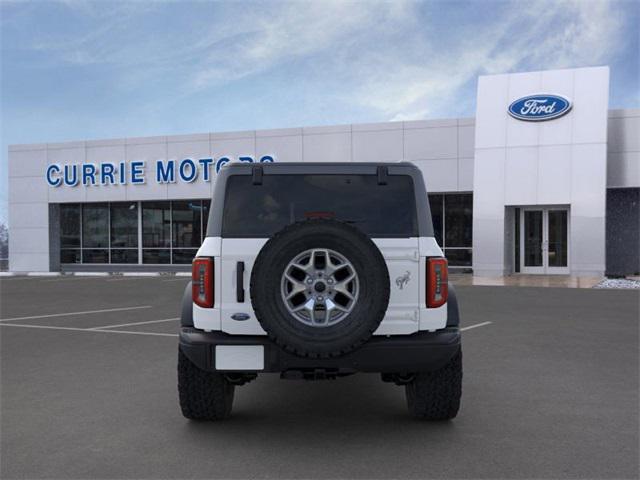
x=393 y=58
x=526 y=36
x=294 y=31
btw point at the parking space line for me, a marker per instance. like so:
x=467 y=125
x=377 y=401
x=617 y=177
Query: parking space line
x=135 y=323
x=87 y=312
x=126 y=279
x=74 y=329
x=75 y=278
x=475 y=326
x=18 y=279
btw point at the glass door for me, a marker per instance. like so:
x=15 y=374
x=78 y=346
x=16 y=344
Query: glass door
x=532 y=239
x=557 y=223
x=544 y=242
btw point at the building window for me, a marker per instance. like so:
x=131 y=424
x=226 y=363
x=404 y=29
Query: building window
x=186 y=218
x=156 y=232
x=437 y=215
x=171 y=232
x=70 y=238
x=124 y=232
x=95 y=233
x=452 y=216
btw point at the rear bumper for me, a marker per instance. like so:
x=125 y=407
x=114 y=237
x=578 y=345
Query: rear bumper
x=422 y=351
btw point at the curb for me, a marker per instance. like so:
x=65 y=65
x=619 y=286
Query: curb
x=95 y=274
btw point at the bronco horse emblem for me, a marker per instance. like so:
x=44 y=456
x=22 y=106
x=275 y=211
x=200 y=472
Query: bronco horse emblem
x=402 y=280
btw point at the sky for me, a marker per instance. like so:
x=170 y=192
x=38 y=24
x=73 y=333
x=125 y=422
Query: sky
x=76 y=70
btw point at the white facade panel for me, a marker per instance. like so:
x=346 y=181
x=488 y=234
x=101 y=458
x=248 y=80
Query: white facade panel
x=591 y=105
x=439 y=175
x=27 y=163
x=28 y=215
x=327 y=147
x=28 y=190
x=279 y=132
x=554 y=174
x=488 y=211
x=431 y=143
x=233 y=147
x=521 y=176
x=377 y=145
x=465 y=174
x=488 y=181
x=28 y=262
x=624 y=134
x=466 y=141
x=588 y=180
x=30 y=240
x=67 y=194
x=285 y=148
x=491 y=131
x=104 y=193
x=623 y=169
x=587 y=245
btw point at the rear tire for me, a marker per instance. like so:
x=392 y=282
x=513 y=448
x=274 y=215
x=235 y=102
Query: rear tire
x=203 y=395
x=436 y=395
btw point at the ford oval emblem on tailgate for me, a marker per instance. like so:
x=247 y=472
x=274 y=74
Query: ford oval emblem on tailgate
x=241 y=316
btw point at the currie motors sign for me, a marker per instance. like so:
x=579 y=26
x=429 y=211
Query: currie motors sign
x=135 y=172
x=540 y=107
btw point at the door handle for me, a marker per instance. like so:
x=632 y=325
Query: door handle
x=240 y=282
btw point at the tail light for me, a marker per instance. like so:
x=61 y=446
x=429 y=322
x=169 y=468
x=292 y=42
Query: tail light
x=437 y=282
x=202 y=282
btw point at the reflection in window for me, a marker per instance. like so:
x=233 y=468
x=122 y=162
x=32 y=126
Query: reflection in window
x=458 y=257
x=95 y=225
x=558 y=245
x=171 y=232
x=186 y=217
x=127 y=255
x=183 y=255
x=452 y=216
x=91 y=255
x=69 y=226
x=124 y=225
x=156 y=224
x=68 y=255
x=158 y=255
x=435 y=205
x=206 y=204
x=458 y=211
x=385 y=211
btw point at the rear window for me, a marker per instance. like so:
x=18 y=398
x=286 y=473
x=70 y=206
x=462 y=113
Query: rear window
x=262 y=210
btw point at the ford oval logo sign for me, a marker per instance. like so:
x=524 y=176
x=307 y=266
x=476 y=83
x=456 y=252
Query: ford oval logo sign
x=536 y=108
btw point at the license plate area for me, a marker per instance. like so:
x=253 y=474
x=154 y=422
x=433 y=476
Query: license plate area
x=246 y=358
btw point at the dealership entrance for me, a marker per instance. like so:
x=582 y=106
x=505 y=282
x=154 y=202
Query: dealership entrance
x=542 y=240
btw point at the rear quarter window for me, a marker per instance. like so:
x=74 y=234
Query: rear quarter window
x=259 y=211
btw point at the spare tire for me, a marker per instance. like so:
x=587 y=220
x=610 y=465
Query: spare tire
x=320 y=288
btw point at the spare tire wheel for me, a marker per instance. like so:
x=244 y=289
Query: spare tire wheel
x=320 y=288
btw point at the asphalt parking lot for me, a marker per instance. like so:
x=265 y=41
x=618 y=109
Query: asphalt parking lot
x=89 y=391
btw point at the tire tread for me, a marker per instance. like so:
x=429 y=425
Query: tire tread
x=436 y=395
x=203 y=395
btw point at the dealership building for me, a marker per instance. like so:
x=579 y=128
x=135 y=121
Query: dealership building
x=545 y=179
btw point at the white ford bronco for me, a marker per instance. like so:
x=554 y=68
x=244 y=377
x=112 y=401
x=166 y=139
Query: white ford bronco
x=315 y=271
